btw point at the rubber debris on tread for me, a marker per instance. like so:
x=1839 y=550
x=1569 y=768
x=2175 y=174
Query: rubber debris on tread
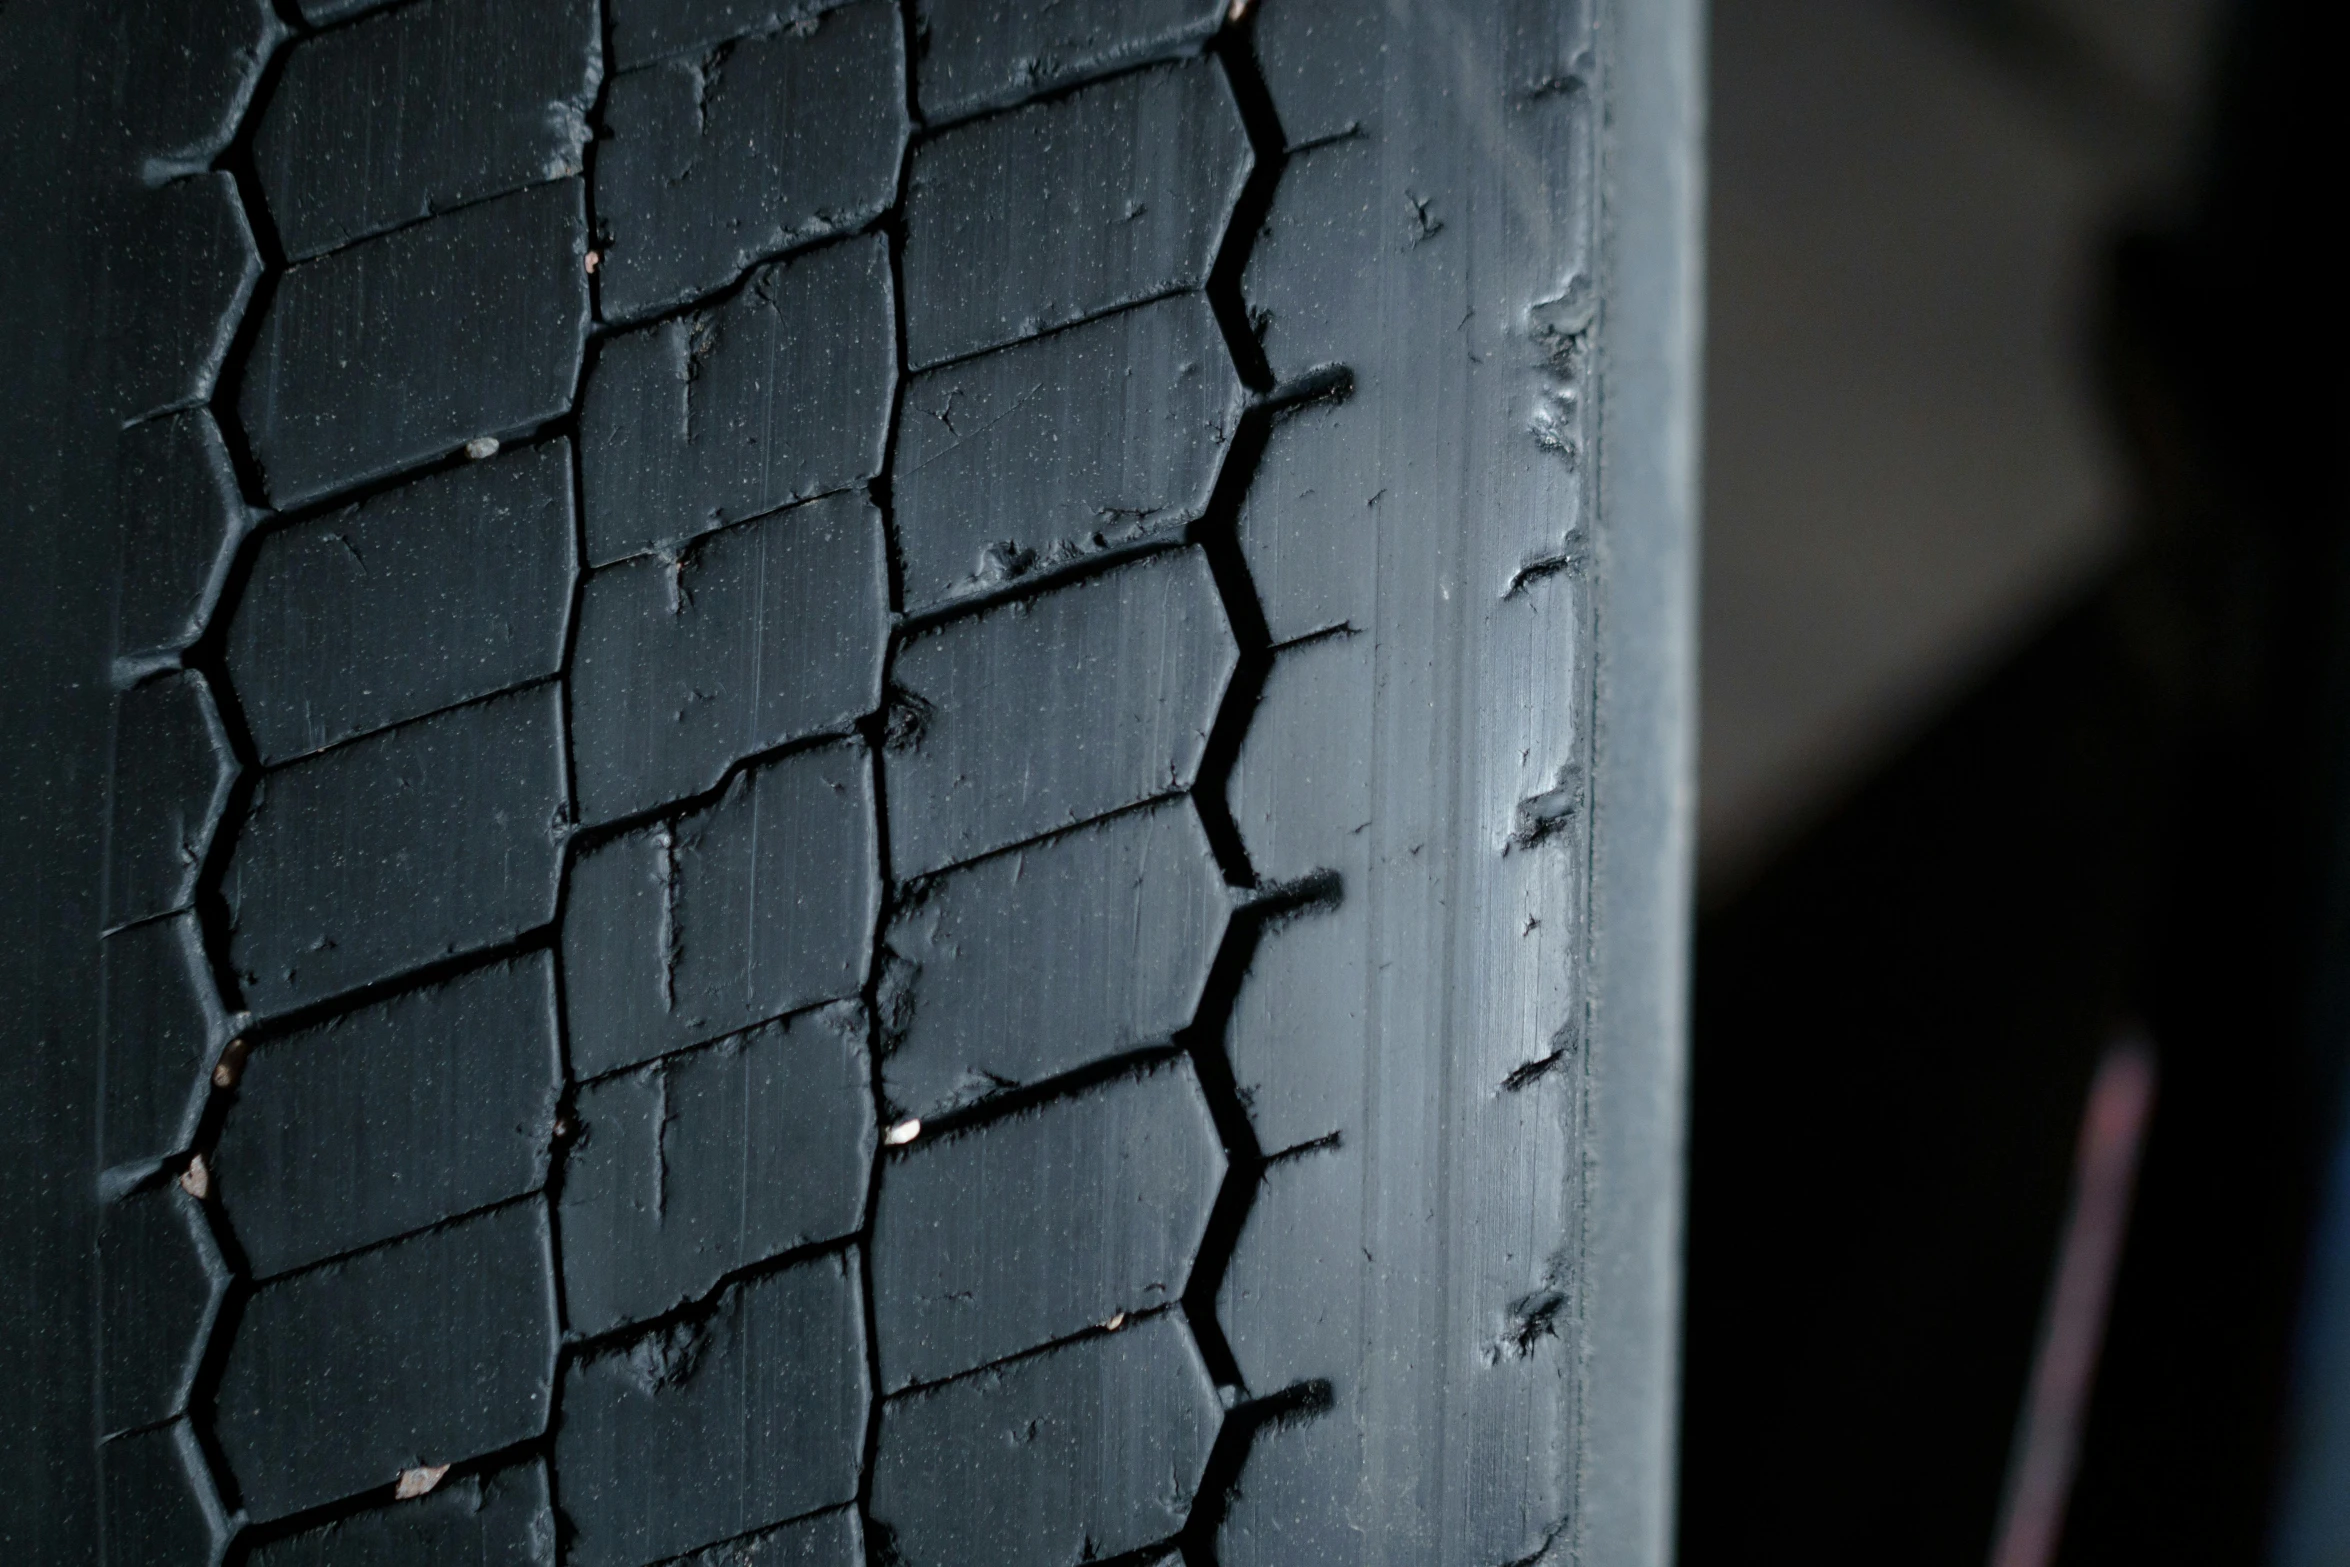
x=766 y=632
x=403 y=348
x=1036 y=962
x=188 y=68
x=181 y=518
x=431 y=1350
x=714 y=1427
x=1035 y=1227
x=172 y=772
x=977 y=54
x=778 y=394
x=156 y=1500
x=164 y=1028
x=455 y=587
x=1066 y=209
x=1086 y=1452
x=759 y=904
x=424 y=108
x=1307 y=527
x=712 y=163
x=1104 y=434
x=503 y=1519
x=187 y=255
x=648 y=30
x=160 y=1285
x=437 y=838
x=707 y=1162
x=394 y=1117
x=1033 y=716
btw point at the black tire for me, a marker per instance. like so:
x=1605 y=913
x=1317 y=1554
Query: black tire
x=886 y=782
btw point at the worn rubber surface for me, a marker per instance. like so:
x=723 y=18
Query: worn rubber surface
x=870 y=796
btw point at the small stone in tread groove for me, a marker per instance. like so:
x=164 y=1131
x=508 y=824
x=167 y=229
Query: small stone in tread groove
x=156 y=1499
x=422 y=109
x=1033 y=963
x=436 y=838
x=432 y=1350
x=184 y=265
x=712 y=1428
x=454 y=587
x=648 y=30
x=1297 y=1037
x=1066 y=209
x=160 y=1283
x=756 y=905
x=1300 y=789
x=1310 y=526
x=979 y=53
x=1291 y=1299
x=1033 y=1228
x=777 y=394
x=164 y=1030
x=181 y=518
x=1040 y=714
x=1103 y=434
x=829 y=1539
x=501 y=1520
x=1314 y=278
x=1325 y=66
x=705 y=1163
x=393 y=1117
x=402 y=348
x=1295 y=1500
x=763 y=633
x=710 y=164
x=1087 y=1451
x=172 y=771
x=187 y=70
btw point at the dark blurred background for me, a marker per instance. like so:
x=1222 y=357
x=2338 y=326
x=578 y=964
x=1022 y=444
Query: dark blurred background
x=2025 y=692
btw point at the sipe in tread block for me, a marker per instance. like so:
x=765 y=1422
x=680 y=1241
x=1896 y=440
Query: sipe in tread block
x=455 y=587
x=186 y=257
x=181 y=518
x=1302 y=1499
x=1029 y=1229
x=424 y=842
x=1325 y=67
x=1291 y=1301
x=156 y=1501
x=164 y=1029
x=1298 y=1037
x=393 y=1117
x=498 y=1520
x=777 y=394
x=829 y=1539
x=767 y=143
x=403 y=348
x=160 y=1284
x=707 y=1162
x=1300 y=789
x=172 y=772
x=421 y=109
x=1038 y=961
x=1307 y=528
x=1033 y=716
x=1085 y=1452
x=763 y=633
x=1066 y=209
x=1338 y=234
x=758 y=904
x=431 y=1350
x=714 y=1427
x=1105 y=434
x=976 y=54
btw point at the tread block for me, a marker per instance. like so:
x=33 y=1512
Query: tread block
x=1292 y=1297
x=1325 y=67
x=181 y=520
x=499 y=1520
x=1037 y=715
x=1309 y=525
x=402 y=348
x=1300 y=790
x=777 y=394
x=164 y=1030
x=1033 y=963
x=187 y=265
x=755 y=148
x=432 y=1350
x=160 y=1283
x=1067 y=209
x=707 y=1162
x=976 y=54
x=454 y=587
x=1314 y=277
x=1105 y=434
x=709 y=1429
x=187 y=69
x=760 y=634
x=424 y=108
x=1038 y=1226
x=436 y=838
x=1296 y=1497
x=829 y=1539
x=172 y=772
x=1087 y=1451
x=759 y=904
x=1297 y=1038
x=156 y=1500
x=648 y=30
x=393 y=1117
